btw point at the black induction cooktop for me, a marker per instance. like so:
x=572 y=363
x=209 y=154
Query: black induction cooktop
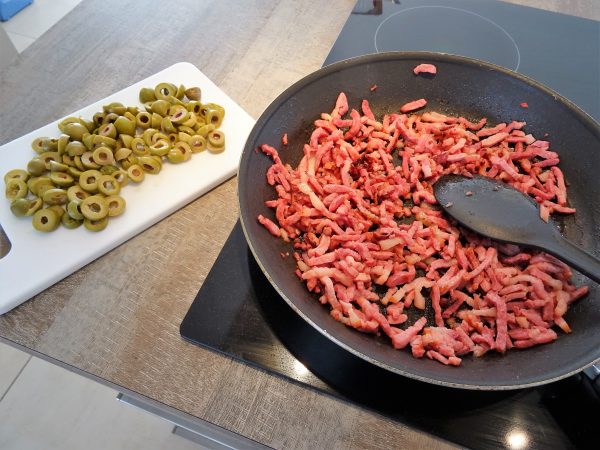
x=247 y=320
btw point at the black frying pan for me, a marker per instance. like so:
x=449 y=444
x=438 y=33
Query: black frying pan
x=462 y=86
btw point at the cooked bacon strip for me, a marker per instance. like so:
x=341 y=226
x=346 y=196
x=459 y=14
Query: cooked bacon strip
x=269 y=225
x=411 y=106
x=425 y=68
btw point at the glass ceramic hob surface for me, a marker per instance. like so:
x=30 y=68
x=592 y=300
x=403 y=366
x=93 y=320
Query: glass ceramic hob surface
x=247 y=320
x=560 y=51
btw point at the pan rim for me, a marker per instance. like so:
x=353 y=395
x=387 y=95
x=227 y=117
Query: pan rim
x=266 y=115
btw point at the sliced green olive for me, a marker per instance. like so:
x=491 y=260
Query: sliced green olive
x=103 y=156
x=78 y=163
x=180 y=152
x=75 y=130
x=195 y=107
x=138 y=146
x=34 y=183
x=56 y=166
x=108 y=170
x=74 y=172
x=147 y=95
x=107 y=185
x=193 y=93
x=88 y=141
x=116 y=205
x=167 y=126
x=59 y=210
x=109 y=130
x=19 y=207
x=143 y=120
x=94 y=207
x=89 y=124
x=197 y=143
x=95 y=225
x=16 y=174
x=173 y=100
x=63 y=140
x=122 y=153
x=40 y=144
x=155 y=121
x=77 y=194
x=191 y=121
x=135 y=173
x=53 y=144
x=88 y=180
x=98 y=118
x=62 y=179
x=189 y=130
x=180 y=92
x=124 y=140
x=147 y=135
x=216 y=141
x=55 y=197
x=205 y=129
x=45 y=220
x=42 y=188
x=87 y=159
x=36 y=167
x=160 y=147
x=76 y=148
x=68 y=161
x=162 y=91
x=129 y=161
x=176 y=156
x=103 y=141
x=68 y=120
x=158 y=137
x=125 y=126
x=49 y=156
x=35 y=204
x=114 y=107
x=69 y=222
x=74 y=211
x=215 y=117
x=150 y=165
x=121 y=177
x=109 y=118
x=15 y=189
x=161 y=107
x=178 y=114
x=184 y=137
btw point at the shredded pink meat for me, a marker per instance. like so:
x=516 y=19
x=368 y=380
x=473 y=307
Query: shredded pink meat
x=371 y=242
x=425 y=68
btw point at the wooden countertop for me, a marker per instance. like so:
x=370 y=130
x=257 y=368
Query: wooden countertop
x=117 y=319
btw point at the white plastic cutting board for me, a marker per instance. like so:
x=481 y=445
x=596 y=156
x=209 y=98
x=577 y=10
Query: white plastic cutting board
x=38 y=260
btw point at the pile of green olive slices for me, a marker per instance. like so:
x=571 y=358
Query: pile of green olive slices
x=76 y=179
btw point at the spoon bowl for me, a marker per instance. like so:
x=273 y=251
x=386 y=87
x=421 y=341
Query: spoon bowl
x=495 y=209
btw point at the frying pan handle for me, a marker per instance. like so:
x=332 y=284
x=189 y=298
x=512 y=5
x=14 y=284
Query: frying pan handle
x=574 y=256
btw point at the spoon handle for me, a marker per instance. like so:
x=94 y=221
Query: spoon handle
x=574 y=256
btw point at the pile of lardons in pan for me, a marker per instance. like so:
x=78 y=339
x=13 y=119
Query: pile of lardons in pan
x=361 y=224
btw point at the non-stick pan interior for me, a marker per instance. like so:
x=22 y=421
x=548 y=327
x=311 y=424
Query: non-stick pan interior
x=461 y=87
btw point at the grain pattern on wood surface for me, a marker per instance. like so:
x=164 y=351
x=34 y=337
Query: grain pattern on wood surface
x=118 y=317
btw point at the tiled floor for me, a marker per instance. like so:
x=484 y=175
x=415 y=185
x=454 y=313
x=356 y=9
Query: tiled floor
x=43 y=406
x=34 y=20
